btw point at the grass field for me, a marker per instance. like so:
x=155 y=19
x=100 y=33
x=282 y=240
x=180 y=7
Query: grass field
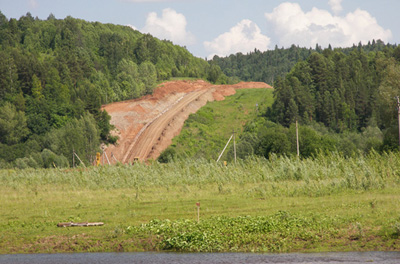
x=206 y=132
x=279 y=205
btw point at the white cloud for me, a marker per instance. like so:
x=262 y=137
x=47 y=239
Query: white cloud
x=171 y=25
x=244 y=37
x=294 y=26
x=336 y=6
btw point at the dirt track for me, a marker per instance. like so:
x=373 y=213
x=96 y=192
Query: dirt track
x=147 y=125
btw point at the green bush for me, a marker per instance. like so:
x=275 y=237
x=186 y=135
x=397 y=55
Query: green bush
x=273 y=233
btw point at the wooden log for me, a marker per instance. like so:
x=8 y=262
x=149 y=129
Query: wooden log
x=72 y=224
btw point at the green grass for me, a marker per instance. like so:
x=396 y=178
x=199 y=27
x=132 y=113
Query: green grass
x=206 y=132
x=279 y=205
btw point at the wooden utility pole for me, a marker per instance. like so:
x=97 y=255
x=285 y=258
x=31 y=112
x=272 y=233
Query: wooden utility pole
x=224 y=148
x=105 y=153
x=234 y=145
x=112 y=155
x=297 y=139
x=80 y=159
x=398 y=114
x=102 y=155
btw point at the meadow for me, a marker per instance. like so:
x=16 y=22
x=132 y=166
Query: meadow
x=283 y=204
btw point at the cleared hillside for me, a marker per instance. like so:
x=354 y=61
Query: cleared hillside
x=147 y=125
x=206 y=132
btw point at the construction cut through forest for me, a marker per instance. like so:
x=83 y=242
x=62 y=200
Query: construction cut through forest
x=147 y=125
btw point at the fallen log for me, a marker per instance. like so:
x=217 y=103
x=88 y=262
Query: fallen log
x=72 y=224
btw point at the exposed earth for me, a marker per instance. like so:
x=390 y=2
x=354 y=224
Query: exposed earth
x=146 y=126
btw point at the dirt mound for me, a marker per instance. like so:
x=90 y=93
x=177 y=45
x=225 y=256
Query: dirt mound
x=146 y=126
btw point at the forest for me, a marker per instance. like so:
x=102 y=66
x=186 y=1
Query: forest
x=267 y=66
x=344 y=100
x=56 y=73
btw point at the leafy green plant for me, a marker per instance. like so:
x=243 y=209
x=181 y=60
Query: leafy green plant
x=268 y=233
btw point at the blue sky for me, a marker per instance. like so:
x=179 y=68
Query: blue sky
x=224 y=27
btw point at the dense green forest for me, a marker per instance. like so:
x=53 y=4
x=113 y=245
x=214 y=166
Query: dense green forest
x=262 y=66
x=55 y=74
x=343 y=99
x=267 y=66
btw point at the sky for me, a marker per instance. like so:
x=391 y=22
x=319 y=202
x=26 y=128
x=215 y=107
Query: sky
x=223 y=27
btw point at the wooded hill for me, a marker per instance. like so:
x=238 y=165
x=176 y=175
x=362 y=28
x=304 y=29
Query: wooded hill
x=55 y=74
x=344 y=100
x=268 y=65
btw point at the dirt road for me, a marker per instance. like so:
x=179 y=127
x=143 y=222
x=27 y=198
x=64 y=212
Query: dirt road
x=147 y=125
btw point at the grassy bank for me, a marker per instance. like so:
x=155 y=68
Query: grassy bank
x=278 y=205
x=206 y=132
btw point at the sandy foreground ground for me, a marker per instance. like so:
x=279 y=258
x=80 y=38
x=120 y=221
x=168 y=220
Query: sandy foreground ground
x=147 y=125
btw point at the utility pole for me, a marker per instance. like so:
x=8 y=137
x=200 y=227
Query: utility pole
x=234 y=145
x=297 y=139
x=224 y=148
x=398 y=114
x=102 y=148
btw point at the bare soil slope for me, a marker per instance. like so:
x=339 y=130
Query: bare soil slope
x=146 y=126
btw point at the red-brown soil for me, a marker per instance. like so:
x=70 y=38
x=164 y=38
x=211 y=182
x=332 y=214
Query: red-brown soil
x=146 y=126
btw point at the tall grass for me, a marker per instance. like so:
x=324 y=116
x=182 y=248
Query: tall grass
x=321 y=175
x=255 y=205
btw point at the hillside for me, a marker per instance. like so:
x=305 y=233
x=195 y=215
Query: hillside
x=55 y=74
x=206 y=132
x=344 y=100
x=147 y=125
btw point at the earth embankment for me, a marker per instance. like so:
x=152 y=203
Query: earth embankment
x=146 y=126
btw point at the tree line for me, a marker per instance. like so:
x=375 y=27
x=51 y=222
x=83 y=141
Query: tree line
x=262 y=66
x=56 y=73
x=267 y=66
x=343 y=99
